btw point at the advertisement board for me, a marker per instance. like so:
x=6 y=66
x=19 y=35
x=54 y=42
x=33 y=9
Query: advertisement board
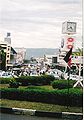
x=69 y=27
x=68 y=41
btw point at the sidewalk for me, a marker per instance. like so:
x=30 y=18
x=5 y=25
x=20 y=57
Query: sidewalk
x=21 y=111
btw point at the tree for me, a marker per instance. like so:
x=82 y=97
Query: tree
x=78 y=53
x=2 y=59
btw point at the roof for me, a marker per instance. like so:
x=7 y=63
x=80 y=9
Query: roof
x=14 y=52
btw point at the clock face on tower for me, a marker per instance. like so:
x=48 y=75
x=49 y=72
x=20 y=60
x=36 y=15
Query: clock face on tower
x=71 y=26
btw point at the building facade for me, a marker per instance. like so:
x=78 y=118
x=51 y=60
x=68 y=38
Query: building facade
x=8 y=51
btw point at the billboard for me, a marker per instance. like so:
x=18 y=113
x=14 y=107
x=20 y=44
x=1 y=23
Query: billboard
x=69 y=27
x=68 y=41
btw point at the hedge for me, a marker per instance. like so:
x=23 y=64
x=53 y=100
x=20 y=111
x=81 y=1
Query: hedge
x=63 y=84
x=35 y=80
x=6 y=80
x=14 y=84
x=60 y=97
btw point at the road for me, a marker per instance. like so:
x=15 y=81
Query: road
x=24 y=117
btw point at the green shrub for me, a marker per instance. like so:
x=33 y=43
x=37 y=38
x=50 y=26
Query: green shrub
x=62 y=84
x=5 y=80
x=13 y=84
x=60 y=97
x=35 y=80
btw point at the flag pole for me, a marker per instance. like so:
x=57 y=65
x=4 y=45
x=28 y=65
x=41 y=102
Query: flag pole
x=67 y=60
x=68 y=88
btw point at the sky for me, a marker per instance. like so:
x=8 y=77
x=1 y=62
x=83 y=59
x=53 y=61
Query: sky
x=38 y=23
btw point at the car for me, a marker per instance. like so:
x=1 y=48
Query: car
x=56 y=76
x=73 y=77
x=6 y=75
x=33 y=73
x=53 y=73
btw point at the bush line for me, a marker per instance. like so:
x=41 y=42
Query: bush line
x=63 y=84
x=27 y=80
x=60 y=97
x=6 y=80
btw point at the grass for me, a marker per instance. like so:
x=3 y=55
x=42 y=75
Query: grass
x=39 y=106
x=4 y=86
x=46 y=87
x=22 y=87
x=43 y=87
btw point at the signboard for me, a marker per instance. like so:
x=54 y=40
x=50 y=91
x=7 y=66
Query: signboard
x=68 y=41
x=69 y=28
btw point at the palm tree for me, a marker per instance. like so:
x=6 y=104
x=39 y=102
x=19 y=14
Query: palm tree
x=78 y=53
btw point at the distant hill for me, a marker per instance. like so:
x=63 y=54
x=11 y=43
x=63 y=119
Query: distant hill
x=39 y=52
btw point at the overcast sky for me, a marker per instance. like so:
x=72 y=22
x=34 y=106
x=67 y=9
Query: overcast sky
x=38 y=23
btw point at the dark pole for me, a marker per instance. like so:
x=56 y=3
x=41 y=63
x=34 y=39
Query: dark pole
x=68 y=88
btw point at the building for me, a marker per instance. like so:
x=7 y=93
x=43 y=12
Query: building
x=9 y=54
x=20 y=55
x=51 y=59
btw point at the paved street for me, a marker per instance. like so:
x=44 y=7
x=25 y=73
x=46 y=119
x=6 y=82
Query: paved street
x=24 y=117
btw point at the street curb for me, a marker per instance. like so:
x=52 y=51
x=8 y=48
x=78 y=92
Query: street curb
x=21 y=111
x=48 y=114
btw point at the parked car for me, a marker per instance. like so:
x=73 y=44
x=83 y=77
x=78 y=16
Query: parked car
x=6 y=75
x=33 y=74
x=54 y=73
x=75 y=77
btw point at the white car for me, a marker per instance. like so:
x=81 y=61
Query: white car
x=33 y=74
x=73 y=77
x=76 y=77
x=53 y=73
x=6 y=75
x=56 y=76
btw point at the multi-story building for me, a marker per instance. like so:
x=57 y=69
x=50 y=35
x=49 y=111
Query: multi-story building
x=9 y=54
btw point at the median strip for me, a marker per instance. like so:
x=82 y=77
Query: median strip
x=31 y=112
